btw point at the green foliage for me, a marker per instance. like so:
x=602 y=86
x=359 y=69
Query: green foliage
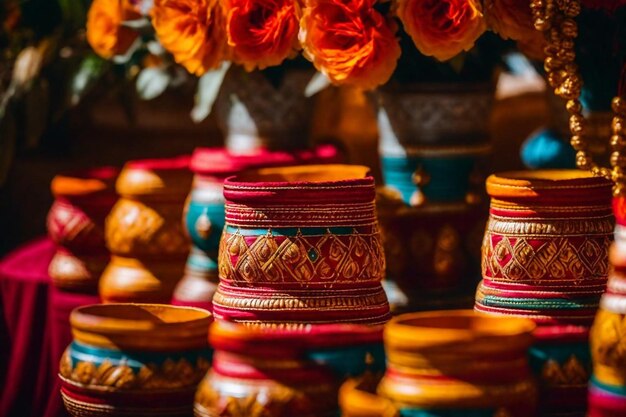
x=89 y=72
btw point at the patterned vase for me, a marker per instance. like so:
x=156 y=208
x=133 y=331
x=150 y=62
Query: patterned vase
x=433 y=139
x=255 y=114
x=301 y=245
x=283 y=373
x=75 y=223
x=607 y=391
x=204 y=211
x=545 y=256
x=448 y=364
x=144 y=232
x=134 y=360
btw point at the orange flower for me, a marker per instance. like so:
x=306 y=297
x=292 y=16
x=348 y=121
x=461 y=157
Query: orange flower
x=511 y=19
x=105 y=32
x=349 y=41
x=442 y=28
x=192 y=31
x=533 y=46
x=262 y=33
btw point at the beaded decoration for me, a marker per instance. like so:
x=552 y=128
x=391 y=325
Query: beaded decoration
x=556 y=19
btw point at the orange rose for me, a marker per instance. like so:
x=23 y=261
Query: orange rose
x=442 y=28
x=533 y=46
x=511 y=19
x=193 y=31
x=105 y=32
x=262 y=33
x=349 y=41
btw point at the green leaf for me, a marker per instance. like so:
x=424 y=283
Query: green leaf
x=208 y=88
x=89 y=72
x=126 y=57
x=138 y=24
x=318 y=83
x=152 y=82
x=155 y=48
x=74 y=12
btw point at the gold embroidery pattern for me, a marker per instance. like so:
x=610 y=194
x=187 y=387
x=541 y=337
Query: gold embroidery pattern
x=323 y=301
x=603 y=226
x=87 y=409
x=135 y=228
x=295 y=325
x=571 y=373
x=287 y=216
x=169 y=375
x=517 y=259
x=265 y=399
x=302 y=259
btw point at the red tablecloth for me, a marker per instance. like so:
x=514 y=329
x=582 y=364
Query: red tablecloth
x=34 y=331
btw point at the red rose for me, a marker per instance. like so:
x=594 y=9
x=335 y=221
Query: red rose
x=442 y=28
x=262 y=33
x=349 y=41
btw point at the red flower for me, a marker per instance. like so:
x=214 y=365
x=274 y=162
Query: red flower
x=349 y=41
x=262 y=33
x=442 y=28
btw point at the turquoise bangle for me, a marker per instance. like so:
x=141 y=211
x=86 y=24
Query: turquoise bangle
x=539 y=303
x=613 y=389
x=414 y=412
x=136 y=360
x=350 y=361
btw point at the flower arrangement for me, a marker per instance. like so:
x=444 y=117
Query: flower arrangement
x=364 y=43
x=354 y=42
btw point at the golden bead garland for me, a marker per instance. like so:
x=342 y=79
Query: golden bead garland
x=556 y=19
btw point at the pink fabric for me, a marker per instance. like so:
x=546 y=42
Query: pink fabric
x=163 y=164
x=605 y=404
x=551 y=289
x=24 y=293
x=34 y=331
x=205 y=305
x=219 y=162
x=239 y=191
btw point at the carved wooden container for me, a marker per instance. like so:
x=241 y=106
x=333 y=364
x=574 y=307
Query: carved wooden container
x=134 y=359
x=301 y=245
x=451 y=363
x=144 y=232
x=545 y=256
x=76 y=224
